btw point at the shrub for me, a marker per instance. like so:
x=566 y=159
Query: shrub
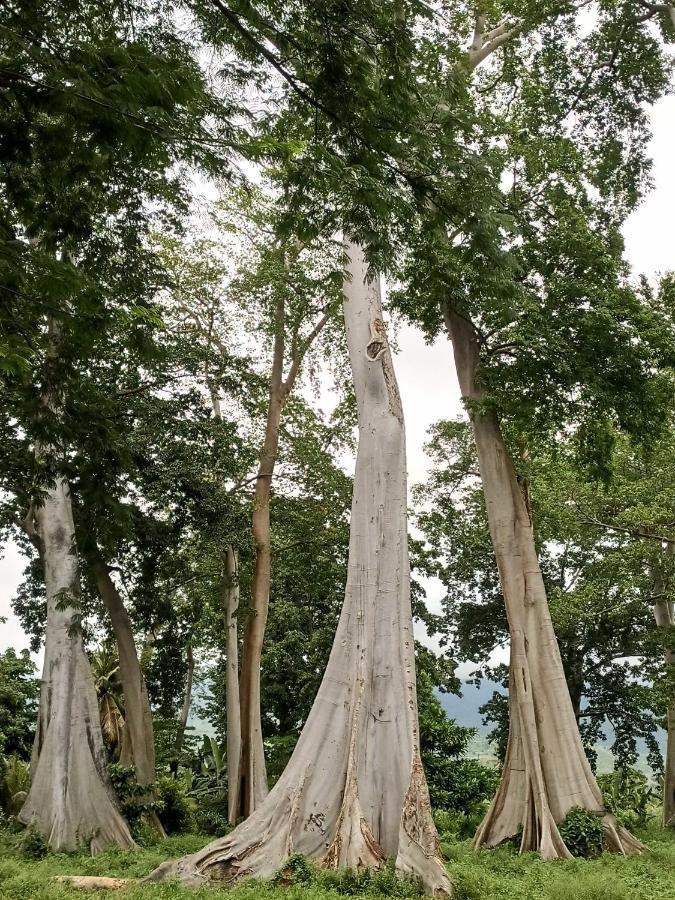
x=296 y=870
x=629 y=796
x=32 y=845
x=135 y=800
x=176 y=810
x=582 y=832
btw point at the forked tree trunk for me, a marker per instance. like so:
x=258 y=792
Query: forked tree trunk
x=252 y=782
x=187 y=699
x=70 y=800
x=545 y=772
x=664 y=614
x=232 y=709
x=354 y=793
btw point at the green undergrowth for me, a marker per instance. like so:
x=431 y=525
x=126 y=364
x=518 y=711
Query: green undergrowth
x=483 y=875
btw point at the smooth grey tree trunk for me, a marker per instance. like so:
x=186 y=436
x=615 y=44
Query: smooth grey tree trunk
x=545 y=773
x=354 y=792
x=70 y=800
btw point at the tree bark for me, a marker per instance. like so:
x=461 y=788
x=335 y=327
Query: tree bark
x=354 y=792
x=664 y=615
x=139 y=742
x=187 y=699
x=70 y=800
x=252 y=782
x=230 y=609
x=546 y=772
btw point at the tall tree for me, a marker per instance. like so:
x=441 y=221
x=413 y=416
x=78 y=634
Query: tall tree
x=333 y=802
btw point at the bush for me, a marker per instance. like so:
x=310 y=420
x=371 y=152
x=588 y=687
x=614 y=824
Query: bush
x=176 y=810
x=135 y=800
x=32 y=845
x=211 y=817
x=297 y=870
x=582 y=832
x=629 y=796
x=455 y=825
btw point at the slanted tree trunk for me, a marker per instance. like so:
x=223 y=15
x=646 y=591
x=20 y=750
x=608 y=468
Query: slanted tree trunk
x=664 y=615
x=545 y=773
x=70 y=800
x=187 y=699
x=354 y=792
x=138 y=742
x=232 y=710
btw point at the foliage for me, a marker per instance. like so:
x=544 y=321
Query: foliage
x=455 y=782
x=582 y=832
x=14 y=783
x=105 y=669
x=32 y=844
x=135 y=800
x=629 y=795
x=19 y=692
x=597 y=582
x=176 y=809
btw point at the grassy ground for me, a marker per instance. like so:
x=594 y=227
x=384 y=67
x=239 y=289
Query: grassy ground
x=478 y=876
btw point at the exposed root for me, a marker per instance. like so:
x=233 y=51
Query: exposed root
x=418 y=849
x=619 y=840
x=95 y=882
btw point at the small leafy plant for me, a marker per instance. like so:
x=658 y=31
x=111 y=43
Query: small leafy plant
x=582 y=832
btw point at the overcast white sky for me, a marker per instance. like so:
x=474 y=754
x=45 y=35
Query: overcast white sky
x=425 y=374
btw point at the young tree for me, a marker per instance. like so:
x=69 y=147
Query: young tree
x=354 y=792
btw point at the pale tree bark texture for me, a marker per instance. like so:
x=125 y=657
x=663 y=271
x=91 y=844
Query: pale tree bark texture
x=70 y=800
x=354 y=792
x=545 y=772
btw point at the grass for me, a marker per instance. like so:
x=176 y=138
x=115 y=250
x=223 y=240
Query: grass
x=486 y=875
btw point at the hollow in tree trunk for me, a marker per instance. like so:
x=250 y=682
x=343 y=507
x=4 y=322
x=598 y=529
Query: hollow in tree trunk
x=354 y=792
x=546 y=772
x=70 y=800
x=232 y=710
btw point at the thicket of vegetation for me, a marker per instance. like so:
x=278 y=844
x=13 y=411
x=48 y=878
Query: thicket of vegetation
x=198 y=203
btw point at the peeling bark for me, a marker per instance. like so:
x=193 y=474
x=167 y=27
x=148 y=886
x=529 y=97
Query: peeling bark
x=70 y=800
x=230 y=609
x=354 y=792
x=545 y=772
